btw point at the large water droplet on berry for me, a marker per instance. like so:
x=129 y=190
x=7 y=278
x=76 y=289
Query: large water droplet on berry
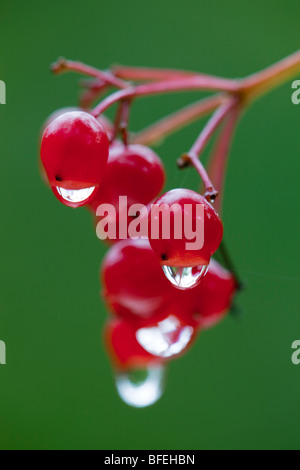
x=141 y=387
x=75 y=195
x=166 y=339
x=185 y=277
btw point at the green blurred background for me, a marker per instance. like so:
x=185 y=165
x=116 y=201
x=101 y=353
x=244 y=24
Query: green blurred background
x=237 y=387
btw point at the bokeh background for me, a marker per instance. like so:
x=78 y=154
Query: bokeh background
x=237 y=388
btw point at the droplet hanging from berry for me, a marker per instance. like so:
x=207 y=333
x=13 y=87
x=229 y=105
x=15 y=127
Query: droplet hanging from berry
x=141 y=387
x=185 y=277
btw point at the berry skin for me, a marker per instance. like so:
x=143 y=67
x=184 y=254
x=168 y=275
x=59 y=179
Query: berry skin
x=74 y=153
x=209 y=302
x=104 y=122
x=134 y=171
x=123 y=348
x=57 y=113
x=174 y=251
x=214 y=295
x=134 y=285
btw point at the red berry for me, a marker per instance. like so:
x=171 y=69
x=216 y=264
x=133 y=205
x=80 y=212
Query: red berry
x=214 y=295
x=184 y=231
x=211 y=299
x=74 y=153
x=135 y=172
x=123 y=348
x=134 y=285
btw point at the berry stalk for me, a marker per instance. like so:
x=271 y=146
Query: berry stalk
x=219 y=158
x=192 y=157
x=182 y=84
x=154 y=74
x=63 y=65
x=263 y=82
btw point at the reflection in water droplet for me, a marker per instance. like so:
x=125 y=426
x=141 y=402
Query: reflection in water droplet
x=143 y=392
x=166 y=339
x=75 y=195
x=185 y=277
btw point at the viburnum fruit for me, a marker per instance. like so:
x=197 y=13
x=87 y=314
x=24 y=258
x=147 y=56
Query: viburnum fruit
x=214 y=295
x=134 y=175
x=211 y=299
x=74 y=153
x=184 y=231
x=122 y=346
x=134 y=285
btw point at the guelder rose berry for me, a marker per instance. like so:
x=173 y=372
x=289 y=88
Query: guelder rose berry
x=211 y=299
x=184 y=231
x=214 y=295
x=74 y=153
x=133 y=283
x=123 y=349
x=136 y=175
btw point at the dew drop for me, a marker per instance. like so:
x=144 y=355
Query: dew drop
x=185 y=277
x=141 y=387
x=167 y=339
x=75 y=195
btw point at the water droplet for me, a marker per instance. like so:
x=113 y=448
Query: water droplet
x=75 y=195
x=141 y=387
x=185 y=277
x=166 y=339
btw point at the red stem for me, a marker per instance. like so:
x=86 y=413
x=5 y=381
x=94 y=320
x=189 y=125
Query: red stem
x=192 y=157
x=63 y=65
x=183 y=84
x=210 y=128
x=219 y=158
x=152 y=74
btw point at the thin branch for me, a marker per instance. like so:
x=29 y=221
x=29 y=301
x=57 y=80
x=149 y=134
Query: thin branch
x=219 y=157
x=63 y=65
x=183 y=84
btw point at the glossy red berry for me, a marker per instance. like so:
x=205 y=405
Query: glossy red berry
x=123 y=349
x=134 y=173
x=134 y=285
x=184 y=231
x=74 y=153
x=210 y=300
x=214 y=295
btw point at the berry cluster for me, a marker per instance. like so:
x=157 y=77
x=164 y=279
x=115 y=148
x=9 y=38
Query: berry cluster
x=159 y=280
